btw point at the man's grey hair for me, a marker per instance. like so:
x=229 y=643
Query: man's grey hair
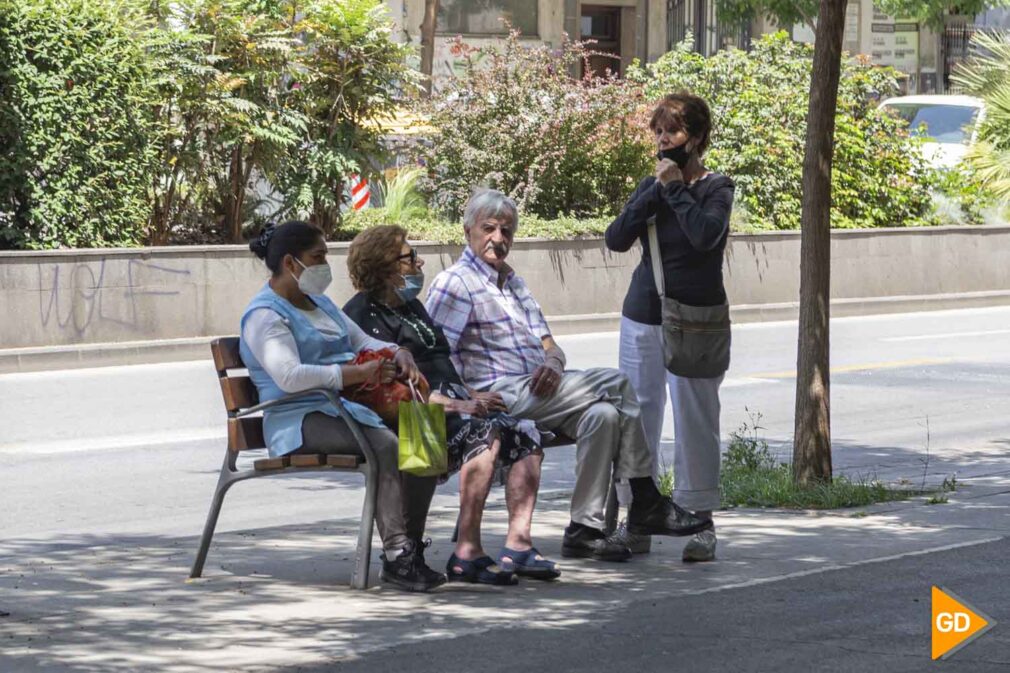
x=487 y=203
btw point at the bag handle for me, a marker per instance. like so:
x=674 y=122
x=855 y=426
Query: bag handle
x=657 y=262
x=415 y=396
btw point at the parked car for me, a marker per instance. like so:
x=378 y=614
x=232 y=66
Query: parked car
x=949 y=124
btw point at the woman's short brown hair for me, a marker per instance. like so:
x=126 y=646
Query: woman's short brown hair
x=371 y=260
x=685 y=111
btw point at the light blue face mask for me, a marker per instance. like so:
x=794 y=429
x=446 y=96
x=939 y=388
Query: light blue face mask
x=412 y=287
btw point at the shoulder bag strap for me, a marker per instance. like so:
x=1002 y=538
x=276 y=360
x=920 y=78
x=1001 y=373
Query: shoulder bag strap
x=657 y=262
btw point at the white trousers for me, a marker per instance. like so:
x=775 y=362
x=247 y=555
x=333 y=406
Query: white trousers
x=696 y=448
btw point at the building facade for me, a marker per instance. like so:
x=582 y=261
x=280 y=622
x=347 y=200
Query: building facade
x=646 y=29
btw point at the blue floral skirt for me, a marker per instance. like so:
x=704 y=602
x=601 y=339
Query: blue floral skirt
x=469 y=436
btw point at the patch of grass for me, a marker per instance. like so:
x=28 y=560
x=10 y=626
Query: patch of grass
x=751 y=477
x=774 y=487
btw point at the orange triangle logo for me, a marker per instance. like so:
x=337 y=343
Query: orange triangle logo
x=955 y=624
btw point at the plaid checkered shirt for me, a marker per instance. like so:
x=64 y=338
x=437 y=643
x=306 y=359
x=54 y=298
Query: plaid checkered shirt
x=493 y=332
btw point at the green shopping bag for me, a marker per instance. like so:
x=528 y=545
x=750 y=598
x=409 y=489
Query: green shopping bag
x=422 y=438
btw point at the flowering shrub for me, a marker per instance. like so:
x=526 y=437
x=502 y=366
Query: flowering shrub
x=518 y=122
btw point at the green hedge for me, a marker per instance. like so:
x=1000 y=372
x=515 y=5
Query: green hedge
x=76 y=134
x=125 y=122
x=437 y=230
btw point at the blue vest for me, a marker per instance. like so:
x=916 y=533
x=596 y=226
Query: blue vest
x=282 y=424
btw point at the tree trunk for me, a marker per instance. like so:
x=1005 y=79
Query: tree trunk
x=812 y=438
x=233 y=216
x=428 y=42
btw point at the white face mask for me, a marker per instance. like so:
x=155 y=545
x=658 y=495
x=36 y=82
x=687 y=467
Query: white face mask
x=314 y=279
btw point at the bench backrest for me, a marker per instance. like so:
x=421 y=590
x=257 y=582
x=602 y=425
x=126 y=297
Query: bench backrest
x=239 y=393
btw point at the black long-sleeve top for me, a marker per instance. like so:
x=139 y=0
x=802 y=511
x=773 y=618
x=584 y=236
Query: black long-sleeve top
x=432 y=359
x=692 y=223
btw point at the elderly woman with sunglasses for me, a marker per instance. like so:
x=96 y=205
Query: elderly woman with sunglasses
x=388 y=274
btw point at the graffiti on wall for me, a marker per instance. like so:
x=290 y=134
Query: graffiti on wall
x=77 y=296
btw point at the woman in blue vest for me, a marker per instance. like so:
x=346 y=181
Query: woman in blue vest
x=294 y=338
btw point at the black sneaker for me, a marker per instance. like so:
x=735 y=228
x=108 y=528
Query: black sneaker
x=664 y=517
x=408 y=570
x=586 y=542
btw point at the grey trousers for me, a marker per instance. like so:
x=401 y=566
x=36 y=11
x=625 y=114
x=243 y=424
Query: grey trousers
x=599 y=409
x=402 y=500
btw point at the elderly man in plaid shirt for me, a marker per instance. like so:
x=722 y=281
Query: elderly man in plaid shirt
x=501 y=343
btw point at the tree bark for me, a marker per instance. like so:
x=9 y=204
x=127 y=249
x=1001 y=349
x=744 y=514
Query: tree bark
x=233 y=215
x=812 y=438
x=428 y=42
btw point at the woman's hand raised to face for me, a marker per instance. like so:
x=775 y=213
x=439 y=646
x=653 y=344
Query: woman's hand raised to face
x=668 y=171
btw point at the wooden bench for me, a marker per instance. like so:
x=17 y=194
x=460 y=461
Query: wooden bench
x=245 y=432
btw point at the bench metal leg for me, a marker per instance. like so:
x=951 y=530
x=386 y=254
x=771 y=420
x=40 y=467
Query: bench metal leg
x=223 y=484
x=363 y=555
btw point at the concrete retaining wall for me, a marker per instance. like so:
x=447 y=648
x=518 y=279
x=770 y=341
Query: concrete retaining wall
x=92 y=307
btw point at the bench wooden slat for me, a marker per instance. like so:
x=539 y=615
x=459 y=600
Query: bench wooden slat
x=264 y=464
x=245 y=433
x=308 y=460
x=342 y=461
x=239 y=393
x=226 y=354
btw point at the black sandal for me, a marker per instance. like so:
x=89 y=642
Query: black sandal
x=529 y=563
x=478 y=571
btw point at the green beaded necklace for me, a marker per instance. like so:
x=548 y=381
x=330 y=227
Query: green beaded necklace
x=418 y=325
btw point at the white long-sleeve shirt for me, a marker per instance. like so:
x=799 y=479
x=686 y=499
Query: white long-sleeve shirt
x=269 y=338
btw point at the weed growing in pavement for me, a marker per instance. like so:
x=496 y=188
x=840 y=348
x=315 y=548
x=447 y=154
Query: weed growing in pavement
x=747 y=450
x=751 y=477
x=666 y=482
x=949 y=483
x=925 y=461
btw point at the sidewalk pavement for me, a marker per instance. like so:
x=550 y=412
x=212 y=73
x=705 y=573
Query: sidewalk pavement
x=278 y=597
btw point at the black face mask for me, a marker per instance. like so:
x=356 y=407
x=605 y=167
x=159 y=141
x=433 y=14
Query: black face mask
x=679 y=155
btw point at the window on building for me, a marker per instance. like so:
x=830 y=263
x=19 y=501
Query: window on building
x=485 y=17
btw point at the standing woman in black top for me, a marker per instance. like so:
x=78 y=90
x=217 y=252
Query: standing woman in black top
x=691 y=206
x=388 y=275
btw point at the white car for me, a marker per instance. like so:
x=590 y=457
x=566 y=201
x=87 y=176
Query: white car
x=949 y=124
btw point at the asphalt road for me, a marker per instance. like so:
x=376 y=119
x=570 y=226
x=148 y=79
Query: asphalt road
x=126 y=450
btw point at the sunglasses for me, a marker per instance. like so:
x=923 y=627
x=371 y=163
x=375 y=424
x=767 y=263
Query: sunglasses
x=412 y=256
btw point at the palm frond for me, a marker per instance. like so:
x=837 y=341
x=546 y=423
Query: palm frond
x=992 y=167
x=400 y=195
